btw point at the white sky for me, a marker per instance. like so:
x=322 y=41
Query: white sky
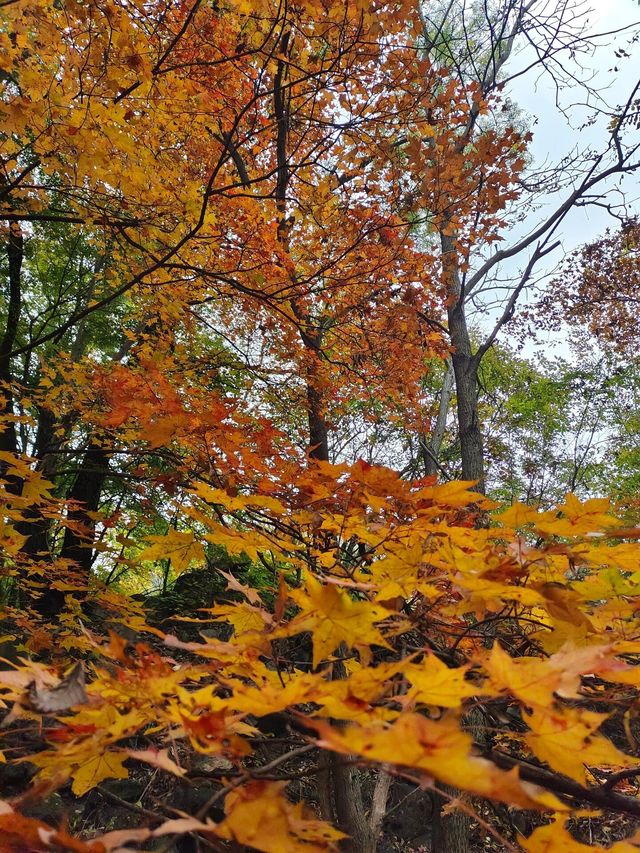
x=553 y=135
x=556 y=135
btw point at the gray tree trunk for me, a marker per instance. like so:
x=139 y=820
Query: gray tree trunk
x=465 y=368
x=430 y=445
x=8 y=438
x=451 y=832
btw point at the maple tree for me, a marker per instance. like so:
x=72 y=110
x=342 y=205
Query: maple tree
x=485 y=48
x=598 y=286
x=210 y=254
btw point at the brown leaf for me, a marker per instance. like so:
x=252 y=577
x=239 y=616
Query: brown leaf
x=157 y=758
x=71 y=691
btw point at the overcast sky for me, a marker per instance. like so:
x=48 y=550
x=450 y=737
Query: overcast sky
x=555 y=135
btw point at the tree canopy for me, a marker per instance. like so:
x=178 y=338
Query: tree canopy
x=254 y=561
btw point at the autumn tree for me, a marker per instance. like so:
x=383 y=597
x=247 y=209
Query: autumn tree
x=249 y=158
x=482 y=46
x=210 y=253
x=598 y=287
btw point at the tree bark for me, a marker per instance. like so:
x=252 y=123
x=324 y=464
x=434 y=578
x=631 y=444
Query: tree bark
x=379 y=806
x=350 y=812
x=451 y=832
x=465 y=368
x=318 y=432
x=86 y=491
x=430 y=445
x=35 y=525
x=8 y=436
x=77 y=544
x=339 y=788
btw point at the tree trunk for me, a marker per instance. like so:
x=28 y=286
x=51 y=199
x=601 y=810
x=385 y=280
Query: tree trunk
x=430 y=445
x=78 y=540
x=36 y=526
x=8 y=437
x=471 y=444
x=340 y=792
x=378 y=806
x=89 y=481
x=350 y=811
x=318 y=433
x=86 y=491
x=451 y=832
x=465 y=368
x=339 y=788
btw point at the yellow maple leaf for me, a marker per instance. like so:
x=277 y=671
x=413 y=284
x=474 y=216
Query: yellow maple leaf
x=434 y=683
x=611 y=582
x=269 y=694
x=563 y=604
x=108 y=765
x=35 y=488
x=260 y=816
x=247 y=542
x=104 y=719
x=578 y=518
x=237 y=502
x=565 y=739
x=573 y=518
x=334 y=617
x=455 y=493
x=518 y=515
x=397 y=573
x=439 y=748
x=243 y=617
x=554 y=838
x=352 y=698
x=566 y=632
x=535 y=680
x=492 y=592
x=178 y=546
x=11 y=541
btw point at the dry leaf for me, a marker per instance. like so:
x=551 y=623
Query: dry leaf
x=70 y=692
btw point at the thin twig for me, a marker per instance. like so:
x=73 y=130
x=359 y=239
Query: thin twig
x=132 y=807
x=613 y=780
x=252 y=773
